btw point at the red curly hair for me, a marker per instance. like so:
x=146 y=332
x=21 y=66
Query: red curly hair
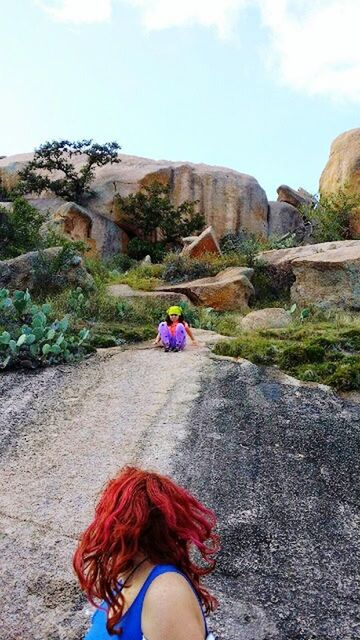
x=141 y=511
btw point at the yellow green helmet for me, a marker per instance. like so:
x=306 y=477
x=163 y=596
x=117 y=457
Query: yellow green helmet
x=174 y=311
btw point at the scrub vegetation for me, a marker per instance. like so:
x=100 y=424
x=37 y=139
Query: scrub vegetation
x=317 y=351
x=331 y=217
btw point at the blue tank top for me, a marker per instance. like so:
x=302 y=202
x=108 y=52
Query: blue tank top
x=131 y=620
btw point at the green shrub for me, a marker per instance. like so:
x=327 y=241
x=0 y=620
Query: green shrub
x=245 y=243
x=120 y=262
x=144 y=277
x=179 y=268
x=332 y=214
x=94 y=305
x=5 y=193
x=115 y=334
x=31 y=338
x=138 y=248
x=281 y=242
x=50 y=271
x=19 y=229
x=98 y=269
x=156 y=219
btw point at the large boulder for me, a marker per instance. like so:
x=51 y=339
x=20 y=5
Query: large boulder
x=21 y=272
x=206 y=242
x=227 y=291
x=102 y=235
x=329 y=279
x=343 y=171
x=230 y=201
x=283 y=218
x=296 y=198
x=343 y=166
x=273 y=318
x=285 y=257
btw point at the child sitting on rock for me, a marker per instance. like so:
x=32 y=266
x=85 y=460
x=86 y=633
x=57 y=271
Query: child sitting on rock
x=172 y=332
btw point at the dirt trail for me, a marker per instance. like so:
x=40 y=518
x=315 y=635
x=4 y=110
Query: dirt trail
x=66 y=430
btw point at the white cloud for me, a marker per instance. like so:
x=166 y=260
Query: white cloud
x=162 y=14
x=77 y=11
x=314 y=45
x=311 y=45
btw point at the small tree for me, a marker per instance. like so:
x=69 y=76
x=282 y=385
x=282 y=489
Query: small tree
x=56 y=156
x=156 y=220
x=332 y=214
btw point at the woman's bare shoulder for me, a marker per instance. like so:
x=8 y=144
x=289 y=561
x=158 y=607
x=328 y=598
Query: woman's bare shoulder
x=171 y=610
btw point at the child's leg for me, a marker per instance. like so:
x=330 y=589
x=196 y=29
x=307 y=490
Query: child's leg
x=164 y=334
x=180 y=336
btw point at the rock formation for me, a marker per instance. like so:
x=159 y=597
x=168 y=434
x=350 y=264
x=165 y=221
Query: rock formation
x=283 y=218
x=329 y=279
x=229 y=290
x=326 y=274
x=283 y=257
x=343 y=166
x=230 y=201
x=296 y=198
x=206 y=242
x=20 y=272
x=102 y=235
x=273 y=318
x=343 y=170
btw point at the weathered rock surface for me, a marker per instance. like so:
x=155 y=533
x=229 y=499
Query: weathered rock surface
x=283 y=218
x=329 y=280
x=124 y=291
x=343 y=170
x=343 y=166
x=18 y=273
x=273 y=318
x=286 y=256
x=102 y=235
x=296 y=198
x=275 y=459
x=228 y=290
x=188 y=240
x=206 y=242
x=287 y=500
x=229 y=200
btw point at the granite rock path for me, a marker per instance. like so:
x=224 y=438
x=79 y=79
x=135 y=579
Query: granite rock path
x=278 y=461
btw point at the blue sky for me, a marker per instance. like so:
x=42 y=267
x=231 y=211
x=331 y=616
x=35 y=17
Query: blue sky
x=260 y=86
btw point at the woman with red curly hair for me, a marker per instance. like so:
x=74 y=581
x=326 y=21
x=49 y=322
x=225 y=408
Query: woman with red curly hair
x=136 y=558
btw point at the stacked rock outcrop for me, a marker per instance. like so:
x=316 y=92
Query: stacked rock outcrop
x=230 y=201
x=326 y=274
